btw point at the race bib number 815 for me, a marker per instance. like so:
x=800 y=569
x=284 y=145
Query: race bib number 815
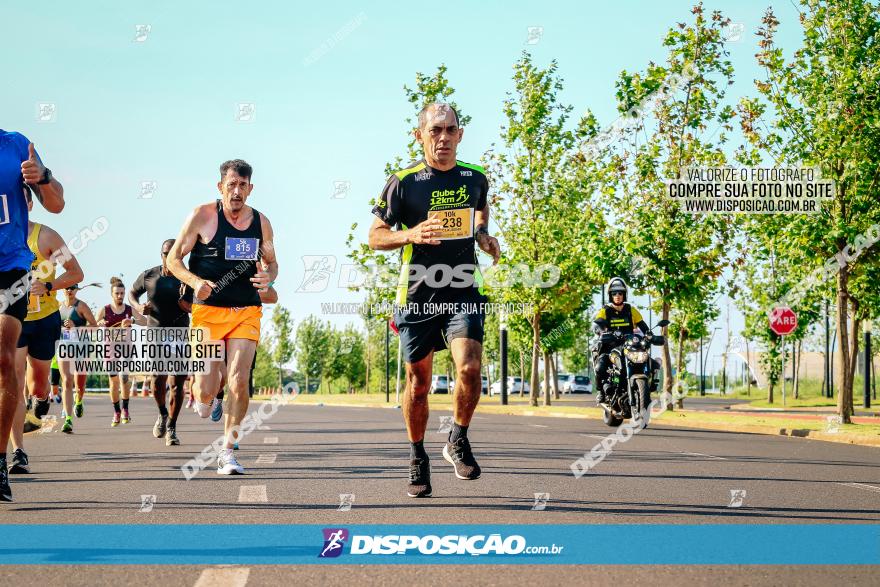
x=242 y=249
x=454 y=224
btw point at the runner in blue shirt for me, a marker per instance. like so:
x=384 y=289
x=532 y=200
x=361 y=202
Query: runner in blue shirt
x=20 y=169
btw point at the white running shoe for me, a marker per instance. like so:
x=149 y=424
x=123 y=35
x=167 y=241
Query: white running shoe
x=226 y=463
x=203 y=410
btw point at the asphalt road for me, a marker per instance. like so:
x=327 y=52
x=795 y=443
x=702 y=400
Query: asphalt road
x=307 y=456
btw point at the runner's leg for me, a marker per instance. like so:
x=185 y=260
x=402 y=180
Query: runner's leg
x=239 y=354
x=467 y=355
x=159 y=384
x=205 y=386
x=10 y=386
x=20 y=409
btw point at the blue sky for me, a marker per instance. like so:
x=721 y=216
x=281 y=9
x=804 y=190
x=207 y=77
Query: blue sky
x=164 y=109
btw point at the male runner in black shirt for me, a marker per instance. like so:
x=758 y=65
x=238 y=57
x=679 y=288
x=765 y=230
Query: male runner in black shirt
x=440 y=209
x=168 y=305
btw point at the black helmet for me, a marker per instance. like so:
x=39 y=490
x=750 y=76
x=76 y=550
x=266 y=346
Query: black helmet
x=617 y=284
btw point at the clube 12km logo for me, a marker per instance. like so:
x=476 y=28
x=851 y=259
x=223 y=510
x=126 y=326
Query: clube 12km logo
x=335 y=540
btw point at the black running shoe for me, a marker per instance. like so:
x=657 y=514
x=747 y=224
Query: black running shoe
x=160 y=426
x=5 y=490
x=459 y=454
x=19 y=464
x=171 y=437
x=419 y=478
x=41 y=408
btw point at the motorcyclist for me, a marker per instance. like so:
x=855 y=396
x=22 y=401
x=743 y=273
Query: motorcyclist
x=615 y=316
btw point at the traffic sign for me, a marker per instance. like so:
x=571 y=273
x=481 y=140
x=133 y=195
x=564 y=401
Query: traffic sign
x=783 y=320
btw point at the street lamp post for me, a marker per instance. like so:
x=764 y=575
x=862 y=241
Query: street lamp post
x=503 y=324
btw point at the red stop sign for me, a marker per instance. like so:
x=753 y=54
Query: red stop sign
x=783 y=320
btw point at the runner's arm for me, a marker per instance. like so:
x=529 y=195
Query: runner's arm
x=267 y=270
x=59 y=253
x=86 y=312
x=184 y=243
x=50 y=195
x=382 y=238
x=134 y=295
x=184 y=302
x=99 y=318
x=270 y=296
x=486 y=242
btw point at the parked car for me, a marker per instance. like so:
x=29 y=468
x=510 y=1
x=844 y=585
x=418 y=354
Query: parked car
x=514 y=384
x=561 y=380
x=484 y=385
x=440 y=384
x=578 y=384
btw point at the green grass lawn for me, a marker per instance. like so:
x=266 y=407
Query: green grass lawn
x=809 y=395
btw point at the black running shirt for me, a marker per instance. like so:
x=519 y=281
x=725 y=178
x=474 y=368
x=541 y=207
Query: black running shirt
x=410 y=195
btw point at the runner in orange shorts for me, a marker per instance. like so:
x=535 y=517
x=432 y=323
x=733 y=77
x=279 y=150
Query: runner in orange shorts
x=231 y=261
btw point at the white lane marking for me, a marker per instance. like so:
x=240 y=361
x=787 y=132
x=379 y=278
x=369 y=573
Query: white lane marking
x=538 y=425
x=864 y=486
x=592 y=436
x=263 y=427
x=224 y=577
x=699 y=454
x=252 y=494
x=266 y=459
x=479 y=418
x=270 y=440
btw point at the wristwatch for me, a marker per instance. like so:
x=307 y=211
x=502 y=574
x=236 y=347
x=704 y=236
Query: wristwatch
x=482 y=230
x=48 y=285
x=47 y=176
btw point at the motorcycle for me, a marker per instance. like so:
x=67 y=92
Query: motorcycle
x=632 y=373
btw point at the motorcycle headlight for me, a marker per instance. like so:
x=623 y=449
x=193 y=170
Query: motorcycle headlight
x=637 y=356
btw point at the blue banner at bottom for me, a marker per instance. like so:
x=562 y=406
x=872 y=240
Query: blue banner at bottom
x=171 y=544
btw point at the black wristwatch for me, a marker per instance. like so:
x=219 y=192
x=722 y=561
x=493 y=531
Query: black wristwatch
x=47 y=176
x=48 y=285
x=482 y=229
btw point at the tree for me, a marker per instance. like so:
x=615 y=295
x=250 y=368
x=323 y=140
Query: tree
x=679 y=109
x=541 y=205
x=311 y=348
x=345 y=359
x=283 y=348
x=823 y=114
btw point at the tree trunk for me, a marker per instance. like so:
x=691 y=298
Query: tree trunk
x=668 y=380
x=555 y=375
x=488 y=379
x=367 y=381
x=307 y=381
x=843 y=381
x=854 y=354
x=679 y=366
x=770 y=391
x=748 y=370
x=522 y=373
x=536 y=350
x=547 y=372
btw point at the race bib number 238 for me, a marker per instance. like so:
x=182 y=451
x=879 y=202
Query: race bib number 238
x=454 y=224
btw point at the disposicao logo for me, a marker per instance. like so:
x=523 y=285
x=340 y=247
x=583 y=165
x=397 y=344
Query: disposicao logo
x=334 y=541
